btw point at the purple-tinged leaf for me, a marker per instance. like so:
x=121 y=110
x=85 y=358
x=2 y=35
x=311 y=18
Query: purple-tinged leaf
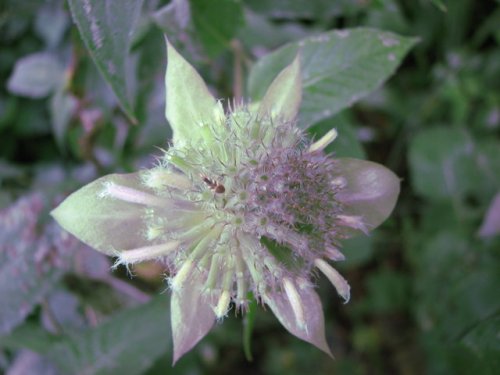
x=371 y=190
x=191 y=315
x=314 y=329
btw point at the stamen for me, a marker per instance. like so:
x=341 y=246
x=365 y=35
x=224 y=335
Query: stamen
x=324 y=141
x=161 y=178
x=177 y=282
x=147 y=252
x=197 y=253
x=132 y=195
x=333 y=253
x=340 y=284
x=225 y=298
x=215 y=267
x=223 y=304
x=354 y=222
x=295 y=301
x=241 y=287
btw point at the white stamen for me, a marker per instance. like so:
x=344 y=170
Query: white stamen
x=131 y=195
x=147 y=252
x=295 y=301
x=355 y=222
x=343 y=288
x=223 y=304
x=333 y=253
x=177 y=282
x=324 y=141
x=160 y=178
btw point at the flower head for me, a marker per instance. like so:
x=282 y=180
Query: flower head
x=242 y=205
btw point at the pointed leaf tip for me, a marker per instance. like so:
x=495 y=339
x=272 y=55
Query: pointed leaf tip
x=192 y=316
x=189 y=103
x=314 y=330
x=105 y=224
x=283 y=97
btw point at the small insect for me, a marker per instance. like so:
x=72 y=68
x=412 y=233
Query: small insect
x=216 y=186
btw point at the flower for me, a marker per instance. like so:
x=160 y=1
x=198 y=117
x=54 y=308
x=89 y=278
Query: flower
x=241 y=205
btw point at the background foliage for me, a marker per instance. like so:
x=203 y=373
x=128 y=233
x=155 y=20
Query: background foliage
x=80 y=101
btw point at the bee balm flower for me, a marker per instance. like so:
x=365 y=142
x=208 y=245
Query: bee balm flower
x=242 y=204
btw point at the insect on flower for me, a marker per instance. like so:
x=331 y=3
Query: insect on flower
x=216 y=186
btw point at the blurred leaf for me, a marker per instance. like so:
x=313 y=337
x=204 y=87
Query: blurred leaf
x=440 y=4
x=36 y=75
x=387 y=291
x=484 y=341
x=173 y=17
x=106 y=28
x=450 y=314
x=31 y=264
x=28 y=362
x=358 y=251
x=448 y=163
x=491 y=223
x=61 y=312
x=441 y=163
x=258 y=34
x=51 y=22
x=471 y=275
x=29 y=336
x=127 y=343
x=62 y=108
x=216 y=22
x=290 y=9
x=338 y=68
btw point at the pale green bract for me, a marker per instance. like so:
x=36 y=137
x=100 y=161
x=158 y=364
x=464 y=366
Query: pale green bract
x=242 y=206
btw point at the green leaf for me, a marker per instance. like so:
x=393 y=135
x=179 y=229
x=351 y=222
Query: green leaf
x=484 y=341
x=441 y=5
x=338 y=68
x=282 y=98
x=29 y=336
x=104 y=223
x=127 y=343
x=106 y=27
x=293 y=9
x=216 y=22
x=442 y=164
x=189 y=104
x=36 y=75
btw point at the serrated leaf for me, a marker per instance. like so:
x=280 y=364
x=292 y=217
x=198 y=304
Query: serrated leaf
x=127 y=343
x=216 y=22
x=36 y=75
x=338 y=68
x=106 y=27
